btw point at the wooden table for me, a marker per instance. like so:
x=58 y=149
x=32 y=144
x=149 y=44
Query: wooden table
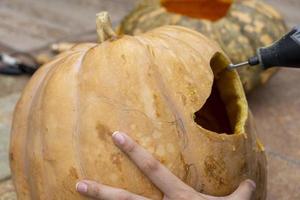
x=276 y=107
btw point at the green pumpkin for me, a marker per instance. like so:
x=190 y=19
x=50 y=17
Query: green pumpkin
x=247 y=26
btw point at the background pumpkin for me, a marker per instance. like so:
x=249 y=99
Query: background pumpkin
x=152 y=86
x=247 y=26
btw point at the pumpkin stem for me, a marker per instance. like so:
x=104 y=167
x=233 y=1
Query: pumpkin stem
x=104 y=27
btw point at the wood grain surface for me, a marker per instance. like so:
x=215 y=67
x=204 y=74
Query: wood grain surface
x=31 y=24
x=276 y=108
x=289 y=9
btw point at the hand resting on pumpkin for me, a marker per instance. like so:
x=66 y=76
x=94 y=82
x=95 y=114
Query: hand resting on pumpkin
x=168 y=183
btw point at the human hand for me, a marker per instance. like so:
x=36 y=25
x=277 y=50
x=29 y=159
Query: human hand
x=170 y=185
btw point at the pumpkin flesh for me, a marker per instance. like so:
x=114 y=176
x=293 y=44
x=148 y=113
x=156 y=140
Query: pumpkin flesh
x=201 y=9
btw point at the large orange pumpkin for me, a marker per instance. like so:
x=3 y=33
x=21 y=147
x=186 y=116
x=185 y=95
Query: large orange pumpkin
x=167 y=88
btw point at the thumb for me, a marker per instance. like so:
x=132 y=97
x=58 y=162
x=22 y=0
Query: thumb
x=244 y=191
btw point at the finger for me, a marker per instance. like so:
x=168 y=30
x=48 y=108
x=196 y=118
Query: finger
x=160 y=176
x=244 y=191
x=103 y=192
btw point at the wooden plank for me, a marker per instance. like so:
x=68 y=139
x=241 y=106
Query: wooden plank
x=289 y=10
x=7 y=105
x=29 y=24
x=276 y=107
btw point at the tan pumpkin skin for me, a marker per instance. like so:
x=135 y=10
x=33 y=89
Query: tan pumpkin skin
x=249 y=24
x=148 y=86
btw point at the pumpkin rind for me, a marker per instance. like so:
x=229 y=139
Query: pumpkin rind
x=248 y=25
x=148 y=86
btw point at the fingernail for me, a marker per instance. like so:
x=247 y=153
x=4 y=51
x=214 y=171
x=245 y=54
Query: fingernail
x=253 y=184
x=81 y=187
x=118 y=137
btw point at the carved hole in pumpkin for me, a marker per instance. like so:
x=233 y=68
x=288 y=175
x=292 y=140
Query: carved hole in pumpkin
x=201 y=9
x=213 y=115
x=221 y=112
